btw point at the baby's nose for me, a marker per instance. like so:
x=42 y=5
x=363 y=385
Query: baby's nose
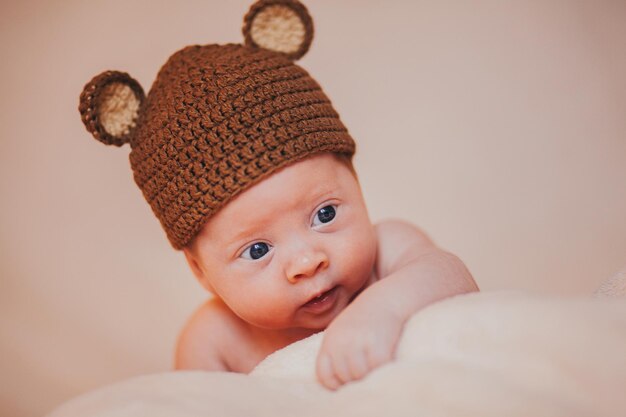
x=307 y=265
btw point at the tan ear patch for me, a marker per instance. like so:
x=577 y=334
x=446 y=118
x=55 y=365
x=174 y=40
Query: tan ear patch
x=109 y=106
x=283 y=26
x=118 y=109
x=278 y=28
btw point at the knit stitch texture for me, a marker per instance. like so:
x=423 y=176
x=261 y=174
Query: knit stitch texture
x=218 y=119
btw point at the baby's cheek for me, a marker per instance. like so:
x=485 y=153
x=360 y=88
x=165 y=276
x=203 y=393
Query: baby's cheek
x=265 y=308
x=359 y=257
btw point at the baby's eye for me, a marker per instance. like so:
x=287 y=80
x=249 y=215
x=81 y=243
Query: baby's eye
x=256 y=250
x=324 y=215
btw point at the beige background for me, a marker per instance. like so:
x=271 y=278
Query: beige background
x=498 y=127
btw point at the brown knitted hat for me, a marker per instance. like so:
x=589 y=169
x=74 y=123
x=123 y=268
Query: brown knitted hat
x=218 y=118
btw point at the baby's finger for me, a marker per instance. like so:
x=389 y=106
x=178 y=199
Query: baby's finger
x=358 y=365
x=325 y=373
x=341 y=368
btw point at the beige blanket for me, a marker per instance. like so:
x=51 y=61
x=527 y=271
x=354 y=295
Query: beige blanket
x=485 y=354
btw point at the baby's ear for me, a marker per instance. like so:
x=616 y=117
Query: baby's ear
x=283 y=26
x=109 y=106
x=190 y=256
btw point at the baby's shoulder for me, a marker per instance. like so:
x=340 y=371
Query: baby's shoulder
x=398 y=242
x=203 y=341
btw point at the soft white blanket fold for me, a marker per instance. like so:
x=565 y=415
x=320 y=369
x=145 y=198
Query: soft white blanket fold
x=484 y=354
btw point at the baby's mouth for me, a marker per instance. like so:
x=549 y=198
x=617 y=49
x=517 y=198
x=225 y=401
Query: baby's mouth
x=323 y=301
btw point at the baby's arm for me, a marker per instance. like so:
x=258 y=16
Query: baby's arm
x=413 y=273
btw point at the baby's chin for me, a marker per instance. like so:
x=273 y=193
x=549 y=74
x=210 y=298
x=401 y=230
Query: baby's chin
x=319 y=316
x=304 y=323
x=316 y=315
x=309 y=325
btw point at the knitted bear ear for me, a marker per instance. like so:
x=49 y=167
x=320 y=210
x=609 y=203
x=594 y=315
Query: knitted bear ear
x=109 y=106
x=283 y=26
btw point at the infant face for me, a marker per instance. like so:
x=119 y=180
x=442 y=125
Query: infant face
x=292 y=250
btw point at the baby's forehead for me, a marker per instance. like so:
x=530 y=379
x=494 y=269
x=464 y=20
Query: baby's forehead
x=297 y=187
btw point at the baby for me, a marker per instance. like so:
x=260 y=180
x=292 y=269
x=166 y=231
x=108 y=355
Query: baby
x=248 y=168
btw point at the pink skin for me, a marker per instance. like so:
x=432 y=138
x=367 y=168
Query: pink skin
x=307 y=257
x=311 y=276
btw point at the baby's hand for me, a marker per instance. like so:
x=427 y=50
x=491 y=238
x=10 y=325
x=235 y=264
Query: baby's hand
x=358 y=341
